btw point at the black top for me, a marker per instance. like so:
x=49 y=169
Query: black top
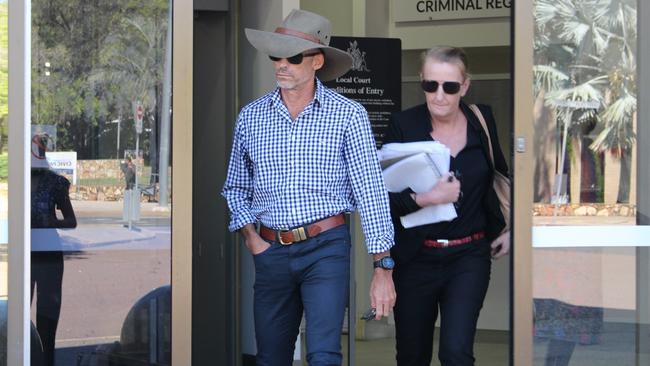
x=51 y=192
x=473 y=171
x=478 y=209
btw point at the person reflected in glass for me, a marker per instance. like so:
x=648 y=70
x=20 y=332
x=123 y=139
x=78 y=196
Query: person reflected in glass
x=444 y=268
x=128 y=169
x=565 y=325
x=49 y=192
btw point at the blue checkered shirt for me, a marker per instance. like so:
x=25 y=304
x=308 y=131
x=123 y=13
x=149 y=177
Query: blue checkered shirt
x=284 y=173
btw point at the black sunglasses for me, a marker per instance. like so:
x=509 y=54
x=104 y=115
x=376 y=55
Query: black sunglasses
x=431 y=86
x=295 y=59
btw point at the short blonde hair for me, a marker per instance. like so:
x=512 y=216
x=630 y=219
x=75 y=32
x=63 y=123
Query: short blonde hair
x=448 y=54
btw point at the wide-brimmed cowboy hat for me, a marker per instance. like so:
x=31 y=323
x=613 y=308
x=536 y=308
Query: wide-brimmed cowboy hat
x=301 y=31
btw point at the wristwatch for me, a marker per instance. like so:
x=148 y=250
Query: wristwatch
x=385 y=263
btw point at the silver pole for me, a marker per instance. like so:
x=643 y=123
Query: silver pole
x=118 y=137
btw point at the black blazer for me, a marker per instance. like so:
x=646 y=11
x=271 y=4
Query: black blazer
x=413 y=125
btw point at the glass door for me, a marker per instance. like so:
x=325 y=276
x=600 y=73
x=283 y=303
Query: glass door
x=90 y=141
x=100 y=174
x=587 y=281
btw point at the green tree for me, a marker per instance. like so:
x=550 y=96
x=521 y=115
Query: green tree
x=74 y=80
x=132 y=62
x=585 y=67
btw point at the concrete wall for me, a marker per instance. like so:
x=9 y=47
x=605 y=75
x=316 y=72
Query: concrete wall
x=256 y=78
x=339 y=12
x=377 y=21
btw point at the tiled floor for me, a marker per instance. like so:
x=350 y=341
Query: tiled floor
x=491 y=349
x=617 y=348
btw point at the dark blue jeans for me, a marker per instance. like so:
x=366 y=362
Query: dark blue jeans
x=451 y=280
x=312 y=275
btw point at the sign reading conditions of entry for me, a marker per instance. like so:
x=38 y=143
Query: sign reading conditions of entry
x=423 y=10
x=374 y=79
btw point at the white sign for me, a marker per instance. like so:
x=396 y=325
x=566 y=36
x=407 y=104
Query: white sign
x=64 y=163
x=423 y=10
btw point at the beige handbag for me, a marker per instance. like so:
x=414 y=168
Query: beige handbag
x=501 y=183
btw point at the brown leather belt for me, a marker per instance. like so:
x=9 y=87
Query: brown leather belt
x=444 y=243
x=290 y=236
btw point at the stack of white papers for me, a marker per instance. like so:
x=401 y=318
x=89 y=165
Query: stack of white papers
x=417 y=165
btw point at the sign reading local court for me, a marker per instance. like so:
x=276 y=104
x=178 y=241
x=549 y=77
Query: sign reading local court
x=424 y=10
x=374 y=80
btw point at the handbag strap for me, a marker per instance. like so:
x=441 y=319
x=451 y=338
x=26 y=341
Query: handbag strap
x=478 y=114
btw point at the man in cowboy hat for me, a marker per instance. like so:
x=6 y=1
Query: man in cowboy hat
x=302 y=156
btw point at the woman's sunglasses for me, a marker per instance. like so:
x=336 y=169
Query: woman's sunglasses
x=449 y=87
x=295 y=59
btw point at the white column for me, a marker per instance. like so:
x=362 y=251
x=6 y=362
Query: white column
x=19 y=181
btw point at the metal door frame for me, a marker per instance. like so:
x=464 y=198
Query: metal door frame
x=183 y=17
x=19 y=247
x=521 y=258
x=19 y=230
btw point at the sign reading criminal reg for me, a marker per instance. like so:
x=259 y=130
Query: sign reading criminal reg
x=423 y=10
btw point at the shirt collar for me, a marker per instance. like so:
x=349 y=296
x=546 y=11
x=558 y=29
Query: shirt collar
x=319 y=95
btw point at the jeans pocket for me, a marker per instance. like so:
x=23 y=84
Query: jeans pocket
x=270 y=243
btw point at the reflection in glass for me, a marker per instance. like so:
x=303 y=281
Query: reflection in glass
x=585 y=309
x=49 y=192
x=4 y=112
x=100 y=126
x=585 y=84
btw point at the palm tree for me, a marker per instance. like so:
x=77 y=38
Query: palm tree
x=585 y=67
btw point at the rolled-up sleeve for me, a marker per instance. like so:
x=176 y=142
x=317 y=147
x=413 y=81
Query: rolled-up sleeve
x=238 y=188
x=367 y=182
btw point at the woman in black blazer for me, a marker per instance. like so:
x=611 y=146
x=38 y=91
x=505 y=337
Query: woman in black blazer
x=445 y=267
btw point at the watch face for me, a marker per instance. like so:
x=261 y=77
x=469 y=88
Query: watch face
x=387 y=263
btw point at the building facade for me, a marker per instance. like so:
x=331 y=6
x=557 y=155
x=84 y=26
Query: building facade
x=150 y=274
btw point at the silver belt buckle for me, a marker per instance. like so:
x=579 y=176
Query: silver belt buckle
x=444 y=242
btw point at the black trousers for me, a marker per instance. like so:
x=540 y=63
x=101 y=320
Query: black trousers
x=450 y=281
x=47 y=277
